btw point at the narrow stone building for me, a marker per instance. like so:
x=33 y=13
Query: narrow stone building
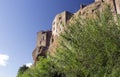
x=42 y=45
x=58 y=26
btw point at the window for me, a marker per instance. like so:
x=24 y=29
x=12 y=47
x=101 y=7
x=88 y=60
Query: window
x=52 y=40
x=43 y=37
x=60 y=18
x=40 y=42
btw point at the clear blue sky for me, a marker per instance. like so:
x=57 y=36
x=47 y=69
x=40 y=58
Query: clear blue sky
x=20 y=20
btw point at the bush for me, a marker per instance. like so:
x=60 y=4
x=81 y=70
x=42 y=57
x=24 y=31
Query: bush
x=22 y=70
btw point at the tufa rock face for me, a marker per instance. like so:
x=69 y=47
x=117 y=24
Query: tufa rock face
x=48 y=40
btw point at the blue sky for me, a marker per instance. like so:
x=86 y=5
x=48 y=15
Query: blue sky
x=20 y=20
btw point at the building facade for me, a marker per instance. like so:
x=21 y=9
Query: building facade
x=46 y=40
x=115 y=5
x=43 y=38
x=59 y=22
x=42 y=45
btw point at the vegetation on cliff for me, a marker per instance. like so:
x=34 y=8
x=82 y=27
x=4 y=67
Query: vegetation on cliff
x=88 y=48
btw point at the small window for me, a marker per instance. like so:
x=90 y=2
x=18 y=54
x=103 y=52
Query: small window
x=43 y=37
x=92 y=11
x=40 y=42
x=60 y=18
x=52 y=39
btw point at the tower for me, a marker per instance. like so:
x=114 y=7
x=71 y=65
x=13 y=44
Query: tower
x=42 y=45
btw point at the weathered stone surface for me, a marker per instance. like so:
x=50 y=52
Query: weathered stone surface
x=42 y=45
x=43 y=38
x=48 y=40
x=84 y=11
x=59 y=22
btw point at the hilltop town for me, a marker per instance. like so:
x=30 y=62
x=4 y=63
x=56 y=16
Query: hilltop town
x=47 y=40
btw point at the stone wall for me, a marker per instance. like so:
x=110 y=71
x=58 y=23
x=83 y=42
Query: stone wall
x=43 y=38
x=59 y=21
x=42 y=45
x=47 y=40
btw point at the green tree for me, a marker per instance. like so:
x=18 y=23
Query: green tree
x=22 y=70
x=88 y=48
x=91 y=47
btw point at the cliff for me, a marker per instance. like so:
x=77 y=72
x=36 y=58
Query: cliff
x=47 y=40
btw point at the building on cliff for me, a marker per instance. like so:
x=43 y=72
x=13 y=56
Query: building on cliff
x=42 y=44
x=47 y=40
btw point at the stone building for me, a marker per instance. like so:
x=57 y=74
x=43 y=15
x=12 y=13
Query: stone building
x=115 y=4
x=98 y=6
x=42 y=45
x=59 y=22
x=43 y=38
x=58 y=26
x=47 y=40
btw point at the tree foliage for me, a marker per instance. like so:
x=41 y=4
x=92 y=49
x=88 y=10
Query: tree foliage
x=22 y=70
x=88 y=48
